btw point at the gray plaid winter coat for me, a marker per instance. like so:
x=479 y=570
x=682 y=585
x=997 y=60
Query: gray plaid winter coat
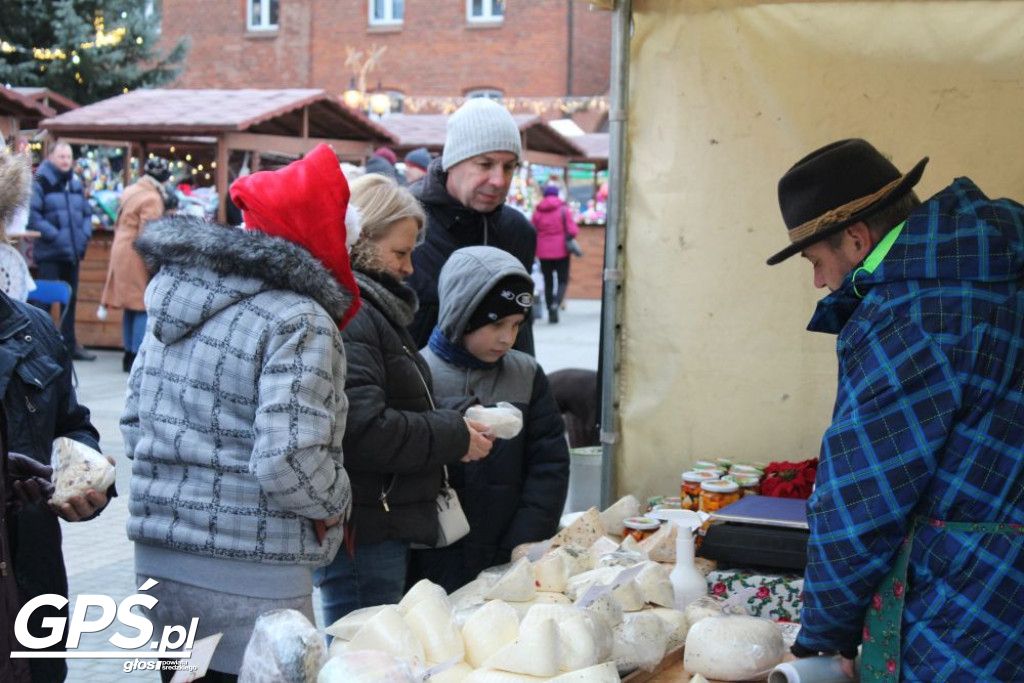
x=236 y=405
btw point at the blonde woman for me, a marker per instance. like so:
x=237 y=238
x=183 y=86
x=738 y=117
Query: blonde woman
x=395 y=443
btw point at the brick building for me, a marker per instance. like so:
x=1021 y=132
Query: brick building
x=434 y=48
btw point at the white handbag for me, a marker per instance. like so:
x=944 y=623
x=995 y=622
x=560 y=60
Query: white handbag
x=452 y=524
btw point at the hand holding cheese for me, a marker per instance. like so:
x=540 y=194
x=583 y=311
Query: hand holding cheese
x=81 y=477
x=504 y=421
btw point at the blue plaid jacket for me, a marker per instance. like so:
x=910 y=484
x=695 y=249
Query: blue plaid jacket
x=928 y=422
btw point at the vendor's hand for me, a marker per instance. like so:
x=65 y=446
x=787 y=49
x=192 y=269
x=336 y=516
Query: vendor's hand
x=30 y=479
x=848 y=668
x=479 y=443
x=81 y=507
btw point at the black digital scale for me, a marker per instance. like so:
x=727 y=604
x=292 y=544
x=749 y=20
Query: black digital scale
x=759 y=530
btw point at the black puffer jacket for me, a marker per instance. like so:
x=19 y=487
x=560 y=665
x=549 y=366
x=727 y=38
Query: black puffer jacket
x=40 y=402
x=394 y=442
x=451 y=226
x=13 y=670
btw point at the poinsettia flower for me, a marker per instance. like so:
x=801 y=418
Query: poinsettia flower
x=718 y=588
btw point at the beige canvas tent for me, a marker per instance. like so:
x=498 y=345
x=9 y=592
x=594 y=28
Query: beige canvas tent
x=717 y=100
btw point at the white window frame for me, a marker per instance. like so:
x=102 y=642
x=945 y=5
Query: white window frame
x=389 y=12
x=265 y=24
x=487 y=15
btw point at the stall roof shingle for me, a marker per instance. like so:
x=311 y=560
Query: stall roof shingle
x=150 y=114
x=13 y=103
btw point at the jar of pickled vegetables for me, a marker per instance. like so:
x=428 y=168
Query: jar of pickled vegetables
x=706 y=465
x=689 y=489
x=716 y=494
x=745 y=469
x=640 y=527
x=749 y=485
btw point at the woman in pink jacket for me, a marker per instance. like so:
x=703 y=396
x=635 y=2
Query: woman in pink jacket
x=554 y=223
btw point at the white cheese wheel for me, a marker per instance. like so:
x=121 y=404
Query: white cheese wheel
x=431 y=621
x=583 y=531
x=368 y=666
x=348 y=625
x=611 y=517
x=733 y=648
x=551 y=573
x=675 y=625
x=640 y=641
x=601 y=673
x=489 y=629
x=387 y=631
x=578 y=643
x=422 y=590
x=709 y=606
x=534 y=652
x=517 y=584
x=556 y=612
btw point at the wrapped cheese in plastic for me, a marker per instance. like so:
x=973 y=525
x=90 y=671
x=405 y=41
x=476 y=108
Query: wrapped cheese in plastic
x=431 y=622
x=601 y=547
x=675 y=625
x=496 y=676
x=579 y=647
x=733 y=648
x=489 y=629
x=76 y=469
x=504 y=420
x=534 y=652
x=454 y=674
x=606 y=608
x=556 y=612
x=584 y=531
x=541 y=598
x=709 y=606
x=611 y=517
x=348 y=625
x=421 y=590
x=551 y=572
x=655 y=585
x=600 y=673
x=366 y=666
x=387 y=631
x=640 y=641
x=620 y=558
x=628 y=594
x=284 y=648
x=517 y=584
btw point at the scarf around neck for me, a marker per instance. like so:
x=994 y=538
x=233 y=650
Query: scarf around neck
x=456 y=354
x=394 y=299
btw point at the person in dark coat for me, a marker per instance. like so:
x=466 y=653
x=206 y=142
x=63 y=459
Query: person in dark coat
x=61 y=214
x=396 y=442
x=40 y=404
x=464 y=194
x=517 y=494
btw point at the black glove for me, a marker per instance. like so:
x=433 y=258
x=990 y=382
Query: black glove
x=29 y=479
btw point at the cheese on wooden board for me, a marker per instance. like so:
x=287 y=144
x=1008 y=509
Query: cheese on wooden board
x=733 y=648
x=639 y=641
x=533 y=652
x=601 y=673
x=661 y=545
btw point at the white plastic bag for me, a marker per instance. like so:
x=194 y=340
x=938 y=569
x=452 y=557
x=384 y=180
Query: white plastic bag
x=284 y=648
x=76 y=469
x=504 y=421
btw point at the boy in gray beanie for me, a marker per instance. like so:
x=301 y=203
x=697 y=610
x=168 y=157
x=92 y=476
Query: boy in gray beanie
x=463 y=194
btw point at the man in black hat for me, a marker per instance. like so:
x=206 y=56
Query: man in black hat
x=916 y=549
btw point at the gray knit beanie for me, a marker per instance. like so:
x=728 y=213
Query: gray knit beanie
x=477 y=127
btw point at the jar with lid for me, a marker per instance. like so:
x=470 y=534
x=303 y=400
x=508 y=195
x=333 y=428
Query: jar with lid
x=706 y=465
x=716 y=494
x=640 y=527
x=749 y=485
x=746 y=470
x=689 y=489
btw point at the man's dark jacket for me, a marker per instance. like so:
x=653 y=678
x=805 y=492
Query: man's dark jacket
x=451 y=226
x=61 y=213
x=41 y=404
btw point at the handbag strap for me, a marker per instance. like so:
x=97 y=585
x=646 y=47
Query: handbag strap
x=565 y=228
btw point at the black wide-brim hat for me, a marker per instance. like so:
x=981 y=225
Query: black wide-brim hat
x=836 y=186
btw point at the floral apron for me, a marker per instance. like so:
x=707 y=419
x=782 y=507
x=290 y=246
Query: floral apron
x=880 y=652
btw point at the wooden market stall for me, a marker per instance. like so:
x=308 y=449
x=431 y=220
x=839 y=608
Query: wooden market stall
x=211 y=123
x=19 y=112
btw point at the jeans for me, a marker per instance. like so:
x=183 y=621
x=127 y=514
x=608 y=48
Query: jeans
x=133 y=328
x=375 y=576
x=68 y=272
x=560 y=268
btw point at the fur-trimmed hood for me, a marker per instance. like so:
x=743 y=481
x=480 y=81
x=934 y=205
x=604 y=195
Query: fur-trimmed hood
x=251 y=261
x=15 y=185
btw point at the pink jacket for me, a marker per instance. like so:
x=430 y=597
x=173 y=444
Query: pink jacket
x=548 y=219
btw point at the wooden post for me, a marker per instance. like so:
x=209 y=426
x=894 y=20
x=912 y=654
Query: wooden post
x=221 y=178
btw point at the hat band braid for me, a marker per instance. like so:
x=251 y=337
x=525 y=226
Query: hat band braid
x=839 y=214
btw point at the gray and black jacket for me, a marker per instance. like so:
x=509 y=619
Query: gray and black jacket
x=515 y=494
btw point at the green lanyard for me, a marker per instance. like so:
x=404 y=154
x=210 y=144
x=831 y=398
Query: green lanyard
x=876 y=256
x=880 y=652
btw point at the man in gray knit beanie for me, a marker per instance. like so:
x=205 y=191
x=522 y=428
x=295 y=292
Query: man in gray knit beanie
x=463 y=194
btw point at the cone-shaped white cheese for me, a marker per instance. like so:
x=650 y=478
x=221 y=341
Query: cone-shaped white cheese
x=431 y=621
x=582 y=532
x=348 y=625
x=534 y=652
x=423 y=589
x=517 y=584
x=489 y=629
x=655 y=585
x=578 y=644
x=551 y=573
x=387 y=631
x=601 y=673
x=611 y=518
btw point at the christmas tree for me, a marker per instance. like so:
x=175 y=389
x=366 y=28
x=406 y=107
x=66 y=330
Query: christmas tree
x=87 y=50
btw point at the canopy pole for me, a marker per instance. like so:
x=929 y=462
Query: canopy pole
x=612 y=285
